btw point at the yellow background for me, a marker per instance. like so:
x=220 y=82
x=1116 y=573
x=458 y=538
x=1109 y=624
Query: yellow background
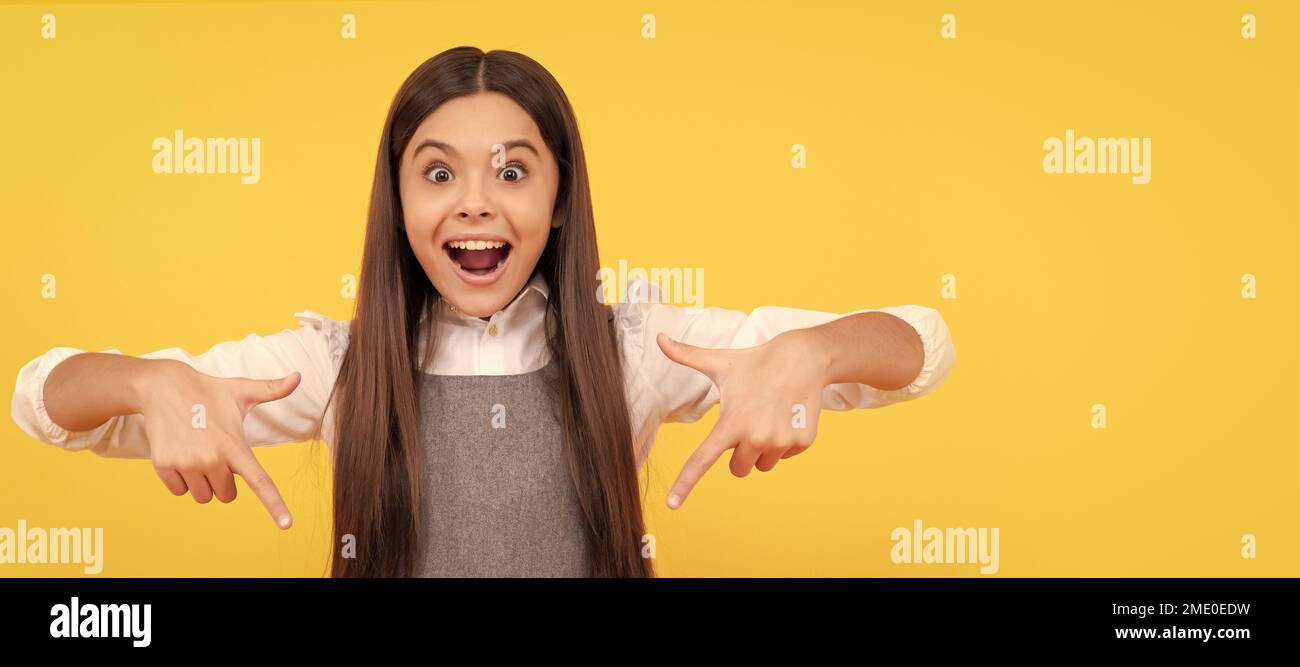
x=924 y=159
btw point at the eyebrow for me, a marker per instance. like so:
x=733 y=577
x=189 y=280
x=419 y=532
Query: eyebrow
x=446 y=147
x=522 y=143
x=433 y=143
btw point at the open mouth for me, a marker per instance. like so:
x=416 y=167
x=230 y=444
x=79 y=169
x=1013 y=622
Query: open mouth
x=479 y=258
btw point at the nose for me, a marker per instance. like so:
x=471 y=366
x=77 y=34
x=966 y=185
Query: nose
x=474 y=207
x=473 y=212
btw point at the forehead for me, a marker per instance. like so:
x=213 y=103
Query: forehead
x=474 y=123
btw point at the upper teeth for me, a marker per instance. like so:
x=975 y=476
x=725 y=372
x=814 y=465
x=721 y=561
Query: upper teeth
x=476 y=245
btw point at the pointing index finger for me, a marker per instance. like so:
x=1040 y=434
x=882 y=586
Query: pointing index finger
x=718 y=441
x=246 y=465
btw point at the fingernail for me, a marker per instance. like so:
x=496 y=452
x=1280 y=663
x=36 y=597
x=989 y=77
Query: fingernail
x=674 y=501
x=285 y=521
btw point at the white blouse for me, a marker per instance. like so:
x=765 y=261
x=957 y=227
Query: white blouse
x=511 y=341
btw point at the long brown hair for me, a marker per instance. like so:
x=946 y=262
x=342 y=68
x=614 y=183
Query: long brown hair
x=378 y=449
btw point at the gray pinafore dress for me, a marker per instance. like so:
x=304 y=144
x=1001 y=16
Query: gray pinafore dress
x=498 y=498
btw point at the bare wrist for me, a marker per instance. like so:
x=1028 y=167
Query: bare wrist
x=812 y=347
x=148 y=377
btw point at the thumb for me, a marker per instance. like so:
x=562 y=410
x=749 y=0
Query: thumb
x=264 y=391
x=702 y=359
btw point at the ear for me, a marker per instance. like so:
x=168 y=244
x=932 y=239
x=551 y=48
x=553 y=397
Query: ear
x=556 y=221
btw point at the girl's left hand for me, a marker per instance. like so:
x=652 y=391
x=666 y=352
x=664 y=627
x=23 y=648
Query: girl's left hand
x=770 y=398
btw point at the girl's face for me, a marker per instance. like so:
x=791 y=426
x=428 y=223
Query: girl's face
x=478 y=189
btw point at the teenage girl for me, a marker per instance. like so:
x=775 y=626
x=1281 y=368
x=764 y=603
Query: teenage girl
x=485 y=412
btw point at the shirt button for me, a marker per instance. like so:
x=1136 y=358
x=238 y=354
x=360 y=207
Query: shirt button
x=492 y=329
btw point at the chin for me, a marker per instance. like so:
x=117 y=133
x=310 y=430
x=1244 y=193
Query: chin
x=478 y=301
x=475 y=309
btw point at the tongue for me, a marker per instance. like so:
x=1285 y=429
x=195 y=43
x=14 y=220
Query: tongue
x=480 y=259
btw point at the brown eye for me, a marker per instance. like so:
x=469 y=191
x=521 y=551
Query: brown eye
x=513 y=172
x=438 y=174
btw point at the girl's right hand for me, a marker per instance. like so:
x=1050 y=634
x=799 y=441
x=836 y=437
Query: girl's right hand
x=194 y=423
